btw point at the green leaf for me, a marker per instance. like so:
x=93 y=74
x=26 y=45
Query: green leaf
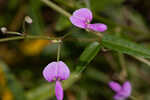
x=125 y=46
x=87 y=56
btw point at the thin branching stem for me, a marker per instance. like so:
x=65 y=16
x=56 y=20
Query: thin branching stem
x=87 y=3
x=58 y=50
x=142 y=60
x=123 y=66
x=28 y=37
x=57 y=8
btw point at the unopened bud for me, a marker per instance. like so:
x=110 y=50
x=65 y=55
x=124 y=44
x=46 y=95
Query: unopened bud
x=28 y=19
x=3 y=29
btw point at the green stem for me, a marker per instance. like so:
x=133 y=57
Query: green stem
x=87 y=3
x=58 y=51
x=142 y=60
x=66 y=35
x=105 y=20
x=133 y=98
x=65 y=13
x=11 y=38
x=100 y=35
x=13 y=33
x=123 y=66
x=57 y=8
x=28 y=37
x=24 y=27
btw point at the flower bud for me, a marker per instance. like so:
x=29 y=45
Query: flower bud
x=4 y=29
x=28 y=19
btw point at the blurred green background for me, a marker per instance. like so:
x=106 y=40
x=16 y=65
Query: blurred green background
x=22 y=61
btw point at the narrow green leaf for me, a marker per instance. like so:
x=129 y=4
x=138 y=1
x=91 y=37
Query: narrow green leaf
x=87 y=56
x=125 y=46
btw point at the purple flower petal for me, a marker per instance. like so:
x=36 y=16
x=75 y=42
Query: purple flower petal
x=115 y=86
x=78 y=22
x=127 y=88
x=63 y=72
x=55 y=71
x=97 y=27
x=59 y=91
x=122 y=92
x=50 y=72
x=83 y=14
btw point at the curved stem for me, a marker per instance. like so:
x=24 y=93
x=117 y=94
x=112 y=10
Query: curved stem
x=57 y=8
x=28 y=37
x=11 y=38
x=24 y=27
x=142 y=60
x=133 y=98
x=13 y=33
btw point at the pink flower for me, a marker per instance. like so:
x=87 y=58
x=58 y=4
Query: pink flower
x=57 y=71
x=122 y=92
x=82 y=17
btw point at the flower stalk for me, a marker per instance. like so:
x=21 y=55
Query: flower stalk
x=28 y=37
x=58 y=50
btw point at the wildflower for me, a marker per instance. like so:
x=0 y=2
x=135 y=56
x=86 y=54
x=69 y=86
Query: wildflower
x=82 y=17
x=56 y=71
x=122 y=92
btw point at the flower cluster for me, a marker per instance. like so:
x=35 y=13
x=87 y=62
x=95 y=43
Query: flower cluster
x=57 y=71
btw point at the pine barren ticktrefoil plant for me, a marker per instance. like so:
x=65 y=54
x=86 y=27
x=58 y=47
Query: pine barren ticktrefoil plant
x=56 y=72
x=122 y=92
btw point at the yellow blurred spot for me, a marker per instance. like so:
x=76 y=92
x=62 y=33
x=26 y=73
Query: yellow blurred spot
x=33 y=48
x=7 y=95
x=8 y=54
x=54 y=41
x=2 y=78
